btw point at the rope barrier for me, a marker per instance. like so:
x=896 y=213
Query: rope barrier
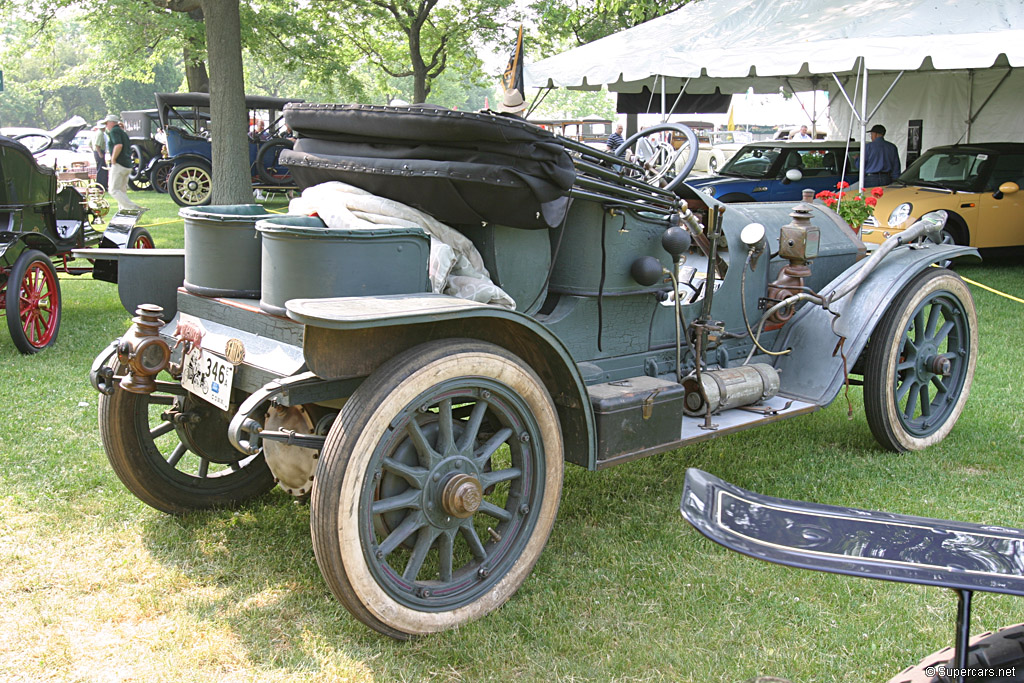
x=994 y=291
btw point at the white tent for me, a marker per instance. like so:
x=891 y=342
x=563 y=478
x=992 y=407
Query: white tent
x=948 y=63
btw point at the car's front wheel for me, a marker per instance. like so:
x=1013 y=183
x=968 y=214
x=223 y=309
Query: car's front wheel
x=920 y=362
x=191 y=183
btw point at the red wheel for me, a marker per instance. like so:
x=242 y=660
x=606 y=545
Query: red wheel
x=33 y=302
x=140 y=239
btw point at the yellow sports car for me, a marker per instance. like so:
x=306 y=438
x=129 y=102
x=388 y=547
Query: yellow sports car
x=979 y=186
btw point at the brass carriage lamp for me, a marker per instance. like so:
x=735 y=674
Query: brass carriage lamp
x=143 y=351
x=798 y=243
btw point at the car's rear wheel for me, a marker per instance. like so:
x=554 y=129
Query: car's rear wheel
x=437 y=488
x=159 y=174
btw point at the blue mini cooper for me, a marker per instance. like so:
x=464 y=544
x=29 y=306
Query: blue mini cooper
x=774 y=171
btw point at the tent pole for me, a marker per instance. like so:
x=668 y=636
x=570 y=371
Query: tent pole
x=863 y=120
x=970 y=102
x=975 y=115
x=886 y=95
x=664 y=112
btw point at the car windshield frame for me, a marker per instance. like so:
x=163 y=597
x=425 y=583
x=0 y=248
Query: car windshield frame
x=983 y=161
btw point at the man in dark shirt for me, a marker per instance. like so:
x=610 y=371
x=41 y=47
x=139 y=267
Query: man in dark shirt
x=615 y=140
x=118 y=146
x=881 y=159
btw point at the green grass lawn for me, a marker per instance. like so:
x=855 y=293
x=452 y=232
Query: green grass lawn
x=95 y=586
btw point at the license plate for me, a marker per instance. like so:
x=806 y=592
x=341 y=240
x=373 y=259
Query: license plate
x=208 y=376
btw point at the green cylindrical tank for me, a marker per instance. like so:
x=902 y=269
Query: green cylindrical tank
x=222 y=250
x=304 y=259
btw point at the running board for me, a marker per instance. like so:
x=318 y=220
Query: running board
x=642 y=416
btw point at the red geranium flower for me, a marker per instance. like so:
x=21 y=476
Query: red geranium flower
x=877 y=192
x=842 y=185
x=871 y=201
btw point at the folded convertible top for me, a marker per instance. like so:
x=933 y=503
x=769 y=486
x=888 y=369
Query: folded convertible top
x=460 y=167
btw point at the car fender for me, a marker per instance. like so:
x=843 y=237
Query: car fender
x=350 y=337
x=815 y=369
x=10 y=251
x=189 y=157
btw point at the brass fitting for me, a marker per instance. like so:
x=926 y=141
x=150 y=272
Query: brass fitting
x=143 y=351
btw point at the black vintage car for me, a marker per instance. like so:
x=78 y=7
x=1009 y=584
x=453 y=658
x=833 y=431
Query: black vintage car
x=39 y=228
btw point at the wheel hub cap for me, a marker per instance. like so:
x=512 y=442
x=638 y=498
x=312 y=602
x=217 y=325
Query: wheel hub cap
x=462 y=496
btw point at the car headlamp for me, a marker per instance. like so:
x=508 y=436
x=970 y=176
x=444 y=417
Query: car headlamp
x=900 y=214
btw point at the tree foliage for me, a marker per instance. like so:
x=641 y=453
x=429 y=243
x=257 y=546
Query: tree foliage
x=575 y=104
x=570 y=23
x=416 y=39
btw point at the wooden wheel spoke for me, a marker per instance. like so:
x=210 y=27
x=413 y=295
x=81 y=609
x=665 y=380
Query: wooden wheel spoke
x=919 y=326
x=903 y=388
x=414 y=476
x=426 y=454
x=204 y=468
x=176 y=455
x=933 y=320
x=409 y=525
x=424 y=542
x=944 y=331
x=406 y=499
x=492 y=445
x=489 y=479
x=445 y=555
x=472 y=429
x=446 y=428
x=160 y=430
x=473 y=541
x=489 y=508
x=926 y=404
x=911 y=407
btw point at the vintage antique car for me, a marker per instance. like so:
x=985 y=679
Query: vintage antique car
x=718 y=147
x=779 y=171
x=186 y=123
x=978 y=185
x=39 y=229
x=477 y=302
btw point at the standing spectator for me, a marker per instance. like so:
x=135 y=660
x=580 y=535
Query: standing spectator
x=99 y=152
x=120 y=163
x=881 y=159
x=801 y=134
x=615 y=140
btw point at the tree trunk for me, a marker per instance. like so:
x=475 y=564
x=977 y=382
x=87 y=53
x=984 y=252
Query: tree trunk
x=195 y=69
x=195 y=74
x=232 y=178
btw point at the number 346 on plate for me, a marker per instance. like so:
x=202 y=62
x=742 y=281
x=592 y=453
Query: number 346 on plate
x=208 y=376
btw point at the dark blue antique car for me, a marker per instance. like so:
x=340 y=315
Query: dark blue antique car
x=774 y=171
x=185 y=119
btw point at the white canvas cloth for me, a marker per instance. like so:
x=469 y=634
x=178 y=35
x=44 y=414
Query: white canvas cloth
x=456 y=267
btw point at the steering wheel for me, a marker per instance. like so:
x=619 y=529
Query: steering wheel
x=659 y=160
x=36 y=142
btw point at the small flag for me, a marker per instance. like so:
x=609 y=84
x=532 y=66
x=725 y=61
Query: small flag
x=513 y=76
x=732 y=125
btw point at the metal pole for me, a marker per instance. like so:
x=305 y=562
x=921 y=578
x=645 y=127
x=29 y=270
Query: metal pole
x=664 y=112
x=963 y=631
x=970 y=102
x=864 y=120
